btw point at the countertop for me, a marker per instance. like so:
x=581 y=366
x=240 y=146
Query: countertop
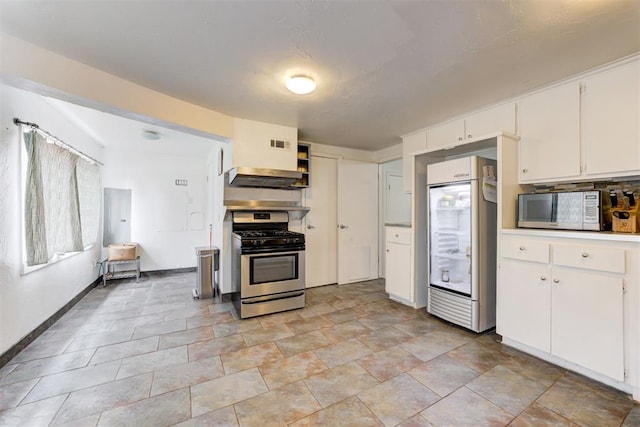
x=593 y=235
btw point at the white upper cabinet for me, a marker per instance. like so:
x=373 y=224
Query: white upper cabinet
x=445 y=135
x=501 y=118
x=549 y=128
x=411 y=144
x=460 y=131
x=612 y=122
x=607 y=111
x=264 y=145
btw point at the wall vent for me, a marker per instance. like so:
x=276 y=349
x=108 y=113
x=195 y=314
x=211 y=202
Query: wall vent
x=279 y=144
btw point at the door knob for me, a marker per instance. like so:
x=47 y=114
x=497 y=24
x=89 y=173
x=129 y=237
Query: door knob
x=342 y=226
x=309 y=226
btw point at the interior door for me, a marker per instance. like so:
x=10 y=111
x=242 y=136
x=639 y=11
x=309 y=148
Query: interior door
x=321 y=223
x=357 y=221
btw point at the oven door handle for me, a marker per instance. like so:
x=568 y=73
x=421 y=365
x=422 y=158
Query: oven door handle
x=271 y=253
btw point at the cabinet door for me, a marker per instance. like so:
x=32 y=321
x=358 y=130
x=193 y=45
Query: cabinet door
x=398 y=271
x=549 y=127
x=496 y=119
x=587 y=327
x=612 y=128
x=524 y=303
x=445 y=135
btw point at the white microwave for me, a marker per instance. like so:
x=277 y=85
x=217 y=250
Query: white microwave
x=574 y=210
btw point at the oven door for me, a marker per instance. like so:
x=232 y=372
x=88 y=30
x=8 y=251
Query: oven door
x=271 y=273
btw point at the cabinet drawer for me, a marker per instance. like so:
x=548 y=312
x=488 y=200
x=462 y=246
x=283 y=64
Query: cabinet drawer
x=398 y=235
x=590 y=257
x=523 y=249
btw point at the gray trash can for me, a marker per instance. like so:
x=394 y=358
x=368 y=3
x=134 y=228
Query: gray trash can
x=208 y=264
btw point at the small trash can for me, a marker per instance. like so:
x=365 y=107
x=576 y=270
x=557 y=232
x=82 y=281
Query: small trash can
x=208 y=264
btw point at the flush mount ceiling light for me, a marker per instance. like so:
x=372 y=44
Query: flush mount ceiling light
x=301 y=85
x=150 y=135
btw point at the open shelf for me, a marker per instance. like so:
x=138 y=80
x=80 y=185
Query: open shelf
x=304 y=163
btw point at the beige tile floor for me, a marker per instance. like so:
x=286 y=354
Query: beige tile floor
x=146 y=354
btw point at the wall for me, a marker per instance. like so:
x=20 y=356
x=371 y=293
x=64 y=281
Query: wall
x=221 y=227
x=252 y=145
x=167 y=221
x=28 y=300
x=341 y=153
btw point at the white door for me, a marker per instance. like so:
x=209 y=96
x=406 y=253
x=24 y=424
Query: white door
x=357 y=221
x=321 y=223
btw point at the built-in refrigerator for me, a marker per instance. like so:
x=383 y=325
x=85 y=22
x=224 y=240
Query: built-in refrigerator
x=462 y=241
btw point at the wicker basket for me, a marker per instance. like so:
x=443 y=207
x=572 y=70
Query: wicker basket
x=122 y=251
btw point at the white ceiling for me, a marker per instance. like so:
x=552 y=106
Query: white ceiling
x=384 y=68
x=118 y=132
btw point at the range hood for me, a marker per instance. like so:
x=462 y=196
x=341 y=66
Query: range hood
x=264 y=178
x=295 y=209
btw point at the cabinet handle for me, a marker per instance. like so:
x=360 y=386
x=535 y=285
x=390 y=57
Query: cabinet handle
x=397 y=235
x=585 y=255
x=459 y=138
x=387 y=250
x=469 y=136
x=556 y=280
x=521 y=248
x=543 y=278
x=525 y=170
x=310 y=227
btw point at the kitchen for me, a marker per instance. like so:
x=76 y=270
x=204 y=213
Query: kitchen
x=417 y=157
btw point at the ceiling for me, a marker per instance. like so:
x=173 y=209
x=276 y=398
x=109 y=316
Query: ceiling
x=383 y=68
x=118 y=132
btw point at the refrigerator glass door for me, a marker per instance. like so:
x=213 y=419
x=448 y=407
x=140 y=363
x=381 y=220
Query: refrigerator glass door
x=450 y=237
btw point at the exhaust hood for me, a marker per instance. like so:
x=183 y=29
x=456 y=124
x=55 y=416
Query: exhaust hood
x=295 y=209
x=265 y=178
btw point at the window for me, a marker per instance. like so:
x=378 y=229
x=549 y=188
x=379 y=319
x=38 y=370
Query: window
x=61 y=201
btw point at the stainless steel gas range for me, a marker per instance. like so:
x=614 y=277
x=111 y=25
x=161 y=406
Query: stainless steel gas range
x=268 y=264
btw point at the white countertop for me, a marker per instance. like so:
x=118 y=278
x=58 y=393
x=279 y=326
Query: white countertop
x=592 y=235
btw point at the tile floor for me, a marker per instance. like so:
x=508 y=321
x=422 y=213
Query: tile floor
x=146 y=354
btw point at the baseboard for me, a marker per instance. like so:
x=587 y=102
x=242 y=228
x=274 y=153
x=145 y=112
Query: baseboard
x=31 y=336
x=157 y=273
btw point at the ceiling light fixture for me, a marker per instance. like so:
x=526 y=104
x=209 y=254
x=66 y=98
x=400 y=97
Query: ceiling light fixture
x=150 y=135
x=301 y=85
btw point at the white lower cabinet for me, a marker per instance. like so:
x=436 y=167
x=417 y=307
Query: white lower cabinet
x=587 y=320
x=568 y=302
x=525 y=303
x=398 y=280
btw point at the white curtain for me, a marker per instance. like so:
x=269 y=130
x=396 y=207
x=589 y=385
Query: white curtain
x=89 y=196
x=61 y=206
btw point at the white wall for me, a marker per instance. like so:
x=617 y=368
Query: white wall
x=28 y=300
x=252 y=145
x=167 y=221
